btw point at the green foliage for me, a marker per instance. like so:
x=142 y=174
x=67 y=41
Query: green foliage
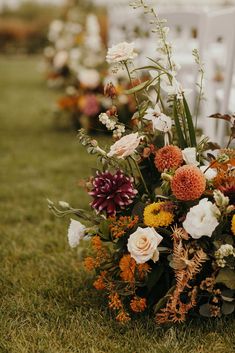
x=48 y=304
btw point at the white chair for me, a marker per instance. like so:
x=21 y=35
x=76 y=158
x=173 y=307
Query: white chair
x=219 y=32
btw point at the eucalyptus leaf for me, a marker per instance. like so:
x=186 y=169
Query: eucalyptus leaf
x=227 y=308
x=226 y=276
x=204 y=310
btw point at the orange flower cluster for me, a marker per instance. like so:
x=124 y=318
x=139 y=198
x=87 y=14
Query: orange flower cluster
x=168 y=157
x=129 y=268
x=99 y=283
x=115 y=303
x=120 y=226
x=188 y=183
x=68 y=102
x=138 y=304
x=90 y=263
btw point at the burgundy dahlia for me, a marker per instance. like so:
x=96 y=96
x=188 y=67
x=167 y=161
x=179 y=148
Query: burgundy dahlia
x=112 y=192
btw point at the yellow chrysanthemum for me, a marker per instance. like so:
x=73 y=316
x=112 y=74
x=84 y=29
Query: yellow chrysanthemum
x=233 y=225
x=156 y=215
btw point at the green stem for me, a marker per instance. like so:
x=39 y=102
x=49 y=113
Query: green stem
x=141 y=176
x=135 y=95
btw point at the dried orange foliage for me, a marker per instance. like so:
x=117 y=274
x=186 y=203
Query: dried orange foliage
x=186 y=263
x=120 y=226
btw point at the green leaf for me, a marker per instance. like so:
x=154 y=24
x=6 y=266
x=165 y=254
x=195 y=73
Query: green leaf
x=181 y=140
x=104 y=231
x=191 y=128
x=138 y=88
x=227 y=308
x=226 y=276
x=204 y=310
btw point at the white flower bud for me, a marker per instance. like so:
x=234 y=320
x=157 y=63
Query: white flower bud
x=220 y=199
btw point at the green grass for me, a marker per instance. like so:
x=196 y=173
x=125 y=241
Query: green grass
x=47 y=301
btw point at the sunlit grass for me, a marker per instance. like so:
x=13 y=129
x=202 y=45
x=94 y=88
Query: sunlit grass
x=47 y=301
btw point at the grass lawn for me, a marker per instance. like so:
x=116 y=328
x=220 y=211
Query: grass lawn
x=47 y=301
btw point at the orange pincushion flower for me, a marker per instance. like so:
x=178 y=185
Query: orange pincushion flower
x=138 y=304
x=168 y=157
x=188 y=183
x=127 y=265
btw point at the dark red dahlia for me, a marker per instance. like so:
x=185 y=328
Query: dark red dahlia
x=112 y=192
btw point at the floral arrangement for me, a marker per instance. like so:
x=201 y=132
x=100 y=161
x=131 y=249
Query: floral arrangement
x=161 y=223
x=76 y=63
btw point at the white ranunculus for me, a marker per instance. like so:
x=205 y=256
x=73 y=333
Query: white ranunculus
x=60 y=59
x=76 y=231
x=125 y=146
x=190 y=156
x=201 y=220
x=121 y=52
x=143 y=243
x=210 y=173
x=89 y=77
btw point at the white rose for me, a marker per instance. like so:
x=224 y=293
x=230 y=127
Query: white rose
x=202 y=219
x=60 y=59
x=125 y=146
x=121 y=52
x=89 y=78
x=210 y=173
x=76 y=231
x=143 y=243
x=189 y=156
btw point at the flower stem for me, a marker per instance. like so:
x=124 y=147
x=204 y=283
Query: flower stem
x=135 y=95
x=141 y=176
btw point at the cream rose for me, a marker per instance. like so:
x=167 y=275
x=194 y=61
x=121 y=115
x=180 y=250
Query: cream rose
x=201 y=220
x=120 y=52
x=143 y=243
x=76 y=231
x=125 y=146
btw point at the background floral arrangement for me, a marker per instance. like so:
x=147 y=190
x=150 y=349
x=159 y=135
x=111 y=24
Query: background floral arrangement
x=162 y=219
x=76 y=63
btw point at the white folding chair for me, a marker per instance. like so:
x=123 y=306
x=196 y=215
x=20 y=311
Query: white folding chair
x=219 y=31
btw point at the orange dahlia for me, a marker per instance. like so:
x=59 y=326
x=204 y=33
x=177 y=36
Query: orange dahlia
x=168 y=157
x=188 y=183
